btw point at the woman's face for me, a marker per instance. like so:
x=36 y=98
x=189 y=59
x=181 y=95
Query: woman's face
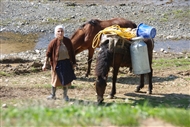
x=59 y=33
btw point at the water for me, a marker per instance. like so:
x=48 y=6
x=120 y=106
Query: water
x=44 y=40
x=14 y=42
x=167 y=45
x=173 y=45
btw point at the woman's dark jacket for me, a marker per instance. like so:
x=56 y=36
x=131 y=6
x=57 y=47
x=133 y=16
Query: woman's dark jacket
x=53 y=51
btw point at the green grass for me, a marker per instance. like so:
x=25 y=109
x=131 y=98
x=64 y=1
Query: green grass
x=164 y=19
x=181 y=13
x=178 y=117
x=175 y=14
x=180 y=63
x=2 y=73
x=92 y=115
x=187 y=78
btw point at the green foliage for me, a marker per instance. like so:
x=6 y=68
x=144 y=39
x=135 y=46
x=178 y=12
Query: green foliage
x=179 y=117
x=91 y=115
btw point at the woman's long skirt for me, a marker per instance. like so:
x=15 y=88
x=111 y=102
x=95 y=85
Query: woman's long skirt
x=63 y=74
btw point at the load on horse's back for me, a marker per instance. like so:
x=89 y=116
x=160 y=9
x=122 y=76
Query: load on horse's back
x=83 y=37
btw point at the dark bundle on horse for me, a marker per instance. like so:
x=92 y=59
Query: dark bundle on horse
x=83 y=37
x=104 y=61
x=115 y=52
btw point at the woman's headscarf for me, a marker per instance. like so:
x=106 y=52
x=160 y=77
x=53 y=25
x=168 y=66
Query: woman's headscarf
x=58 y=27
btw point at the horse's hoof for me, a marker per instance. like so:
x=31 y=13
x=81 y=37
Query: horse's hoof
x=100 y=101
x=149 y=92
x=110 y=97
x=87 y=74
x=137 y=90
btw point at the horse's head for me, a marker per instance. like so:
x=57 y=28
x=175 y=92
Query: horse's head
x=100 y=85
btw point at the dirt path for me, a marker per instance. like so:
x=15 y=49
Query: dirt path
x=37 y=85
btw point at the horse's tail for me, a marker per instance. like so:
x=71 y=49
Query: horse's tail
x=103 y=61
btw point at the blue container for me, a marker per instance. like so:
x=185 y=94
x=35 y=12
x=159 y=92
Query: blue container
x=146 y=31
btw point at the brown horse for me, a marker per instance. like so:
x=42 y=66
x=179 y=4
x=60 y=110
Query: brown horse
x=83 y=37
x=117 y=56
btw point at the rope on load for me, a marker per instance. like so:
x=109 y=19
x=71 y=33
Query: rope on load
x=126 y=33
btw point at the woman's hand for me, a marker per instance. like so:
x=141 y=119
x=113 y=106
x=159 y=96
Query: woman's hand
x=45 y=63
x=44 y=67
x=74 y=66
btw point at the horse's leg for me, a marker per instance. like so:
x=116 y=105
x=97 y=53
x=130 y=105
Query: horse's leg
x=150 y=45
x=141 y=84
x=90 y=55
x=150 y=82
x=114 y=79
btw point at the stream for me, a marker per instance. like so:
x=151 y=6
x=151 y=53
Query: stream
x=14 y=43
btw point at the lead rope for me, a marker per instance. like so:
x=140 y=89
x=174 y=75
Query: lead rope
x=152 y=42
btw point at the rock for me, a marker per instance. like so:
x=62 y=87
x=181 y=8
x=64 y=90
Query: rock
x=161 y=49
x=37 y=51
x=4 y=106
x=171 y=37
x=34 y=16
x=2 y=29
x=36 y=64
x=154 y=51
x=165 y=52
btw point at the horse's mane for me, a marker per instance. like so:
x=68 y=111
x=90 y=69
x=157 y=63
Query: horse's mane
x=103 y=61
x=91 y=22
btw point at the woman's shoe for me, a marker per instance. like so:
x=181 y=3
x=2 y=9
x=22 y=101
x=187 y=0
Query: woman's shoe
x=51 y=97
x=66 y=98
